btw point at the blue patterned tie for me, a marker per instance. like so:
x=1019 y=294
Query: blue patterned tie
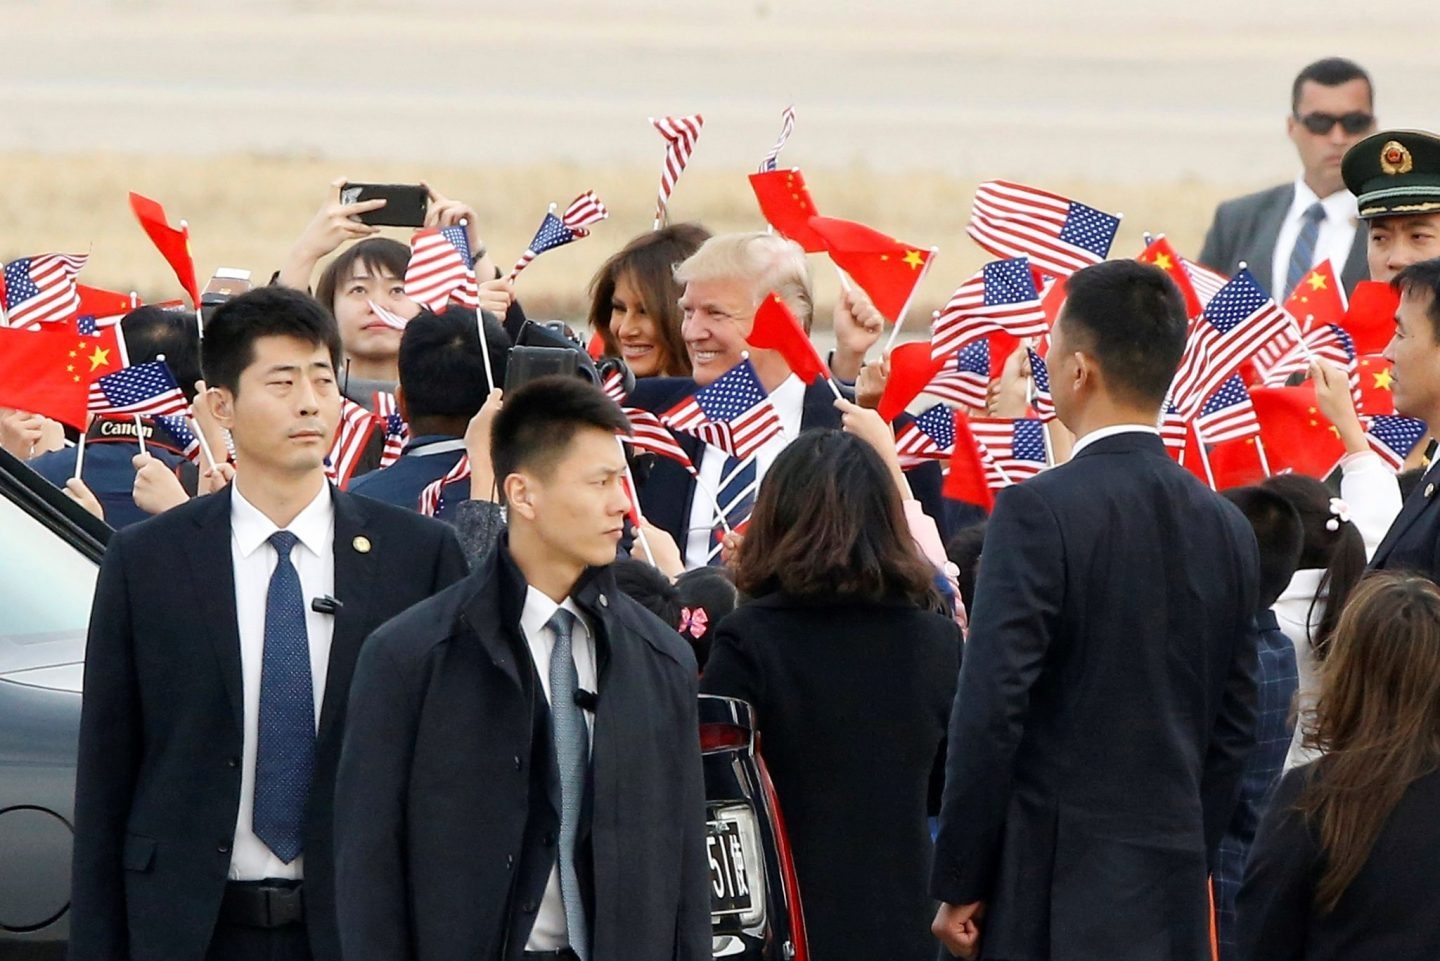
x=738 y=481
x=572 y=755
x=1302 y=256
x=285 y=756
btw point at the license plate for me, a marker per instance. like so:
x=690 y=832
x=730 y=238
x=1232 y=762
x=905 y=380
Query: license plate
x=729 y=874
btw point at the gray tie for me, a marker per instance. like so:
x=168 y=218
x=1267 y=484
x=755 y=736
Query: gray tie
x=572 y=755
x=1302 y=255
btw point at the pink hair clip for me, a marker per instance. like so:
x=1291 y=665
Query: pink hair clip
x=693 y=622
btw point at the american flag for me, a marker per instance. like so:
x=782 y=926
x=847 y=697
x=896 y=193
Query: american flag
x=1393 y=437
x=787 y=127
x=1228 y=414
x=967 y=381
x=397 y=432
x=1174 y=430
x=1017 y=446
x=613 y=386
x=1059 y=235
x=930 y=436
x=647 y=433
x=41 y=289
x=680 y=134
x=432 y=498
x=1291 y=353
x=554 y=231
x=356 y=426
x=178 y=427
x=1205 y=282
x=1043 y=402
x=388 y=317
x=1000 y=299
x=439 y=270
x=1239 y=321
x=148 y=389
x=734 y=413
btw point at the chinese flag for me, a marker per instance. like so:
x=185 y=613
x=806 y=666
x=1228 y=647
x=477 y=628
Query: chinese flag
x=1296 y=435
x=911 y=369
x=1162 y=255
x=173 y=244
x=1236 y=463
x=966 y=480
x=1371 y=317
x=1318 y=299
x=596 y=347
x=885 y=268
x=1374 y=374
x=786 y=205
x=98 y=302
x=48 y=372
x=777 y=329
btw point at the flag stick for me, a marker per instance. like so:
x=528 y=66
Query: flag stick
x=1049 y=449
x=634 y=495
x=1264 y=461
x=479 y=326
x=140 y=434
x=925 y=269
x=200 y=437
x=845 y=283
x=199 y=318
x=1204 y=457
x=80 y=449
x=833 y=388
x=714 y=501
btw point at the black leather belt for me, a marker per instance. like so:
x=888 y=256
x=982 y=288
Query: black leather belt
x=263 y=904
x=564 y=954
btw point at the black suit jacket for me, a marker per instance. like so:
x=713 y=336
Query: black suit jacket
x=667 y=490
x=1106 y=705
x=1413 y=541
x=1247 y=229
x=851 y=700
x=158 y=781
x=448 y=797
x=1388 y=910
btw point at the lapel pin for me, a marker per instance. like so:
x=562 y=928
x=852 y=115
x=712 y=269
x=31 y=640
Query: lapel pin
x=361 y=543
x=1429 y=491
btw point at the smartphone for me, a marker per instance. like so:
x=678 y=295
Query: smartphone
x=405 y=204
x=525 y=364
x=225 y=283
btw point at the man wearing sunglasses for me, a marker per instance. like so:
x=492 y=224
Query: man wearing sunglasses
x=1283 y=232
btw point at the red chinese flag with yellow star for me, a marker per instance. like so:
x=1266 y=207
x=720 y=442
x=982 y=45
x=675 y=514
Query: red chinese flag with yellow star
x=1295 y=434
x=1371 y=317
x=970 y=477
x=885 y=268
x=99 y=302
x=777 y=329
x=1318 y=299
x=1235 y=463
x=1375 y=375
x=1162 y=255
x=911 y=369
x=45 y=372
x=173 y=243
x=785 y=202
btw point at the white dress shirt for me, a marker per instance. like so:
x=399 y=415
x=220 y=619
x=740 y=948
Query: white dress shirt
x=550 y=932
x=1110 y=431
x=1337 y=233
x=254 y=560
x=789 y=401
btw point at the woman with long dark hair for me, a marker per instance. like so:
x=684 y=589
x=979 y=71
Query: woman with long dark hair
x=634 y=301
x=851 y=673
x=1332 y=560
x=1346 y=863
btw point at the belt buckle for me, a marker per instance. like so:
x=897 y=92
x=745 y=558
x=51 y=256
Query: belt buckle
x=282 y=905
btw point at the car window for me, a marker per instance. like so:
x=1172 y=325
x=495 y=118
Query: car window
x=46 y=586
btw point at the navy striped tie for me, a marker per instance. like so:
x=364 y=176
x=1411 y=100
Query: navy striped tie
x=738 y=481
x=285 y=753
x=1302 y=256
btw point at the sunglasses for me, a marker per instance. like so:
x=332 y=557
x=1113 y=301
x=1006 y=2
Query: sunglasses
x=1323 y=123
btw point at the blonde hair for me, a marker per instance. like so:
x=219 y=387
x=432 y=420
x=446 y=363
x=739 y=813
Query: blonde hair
x=769 y=260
